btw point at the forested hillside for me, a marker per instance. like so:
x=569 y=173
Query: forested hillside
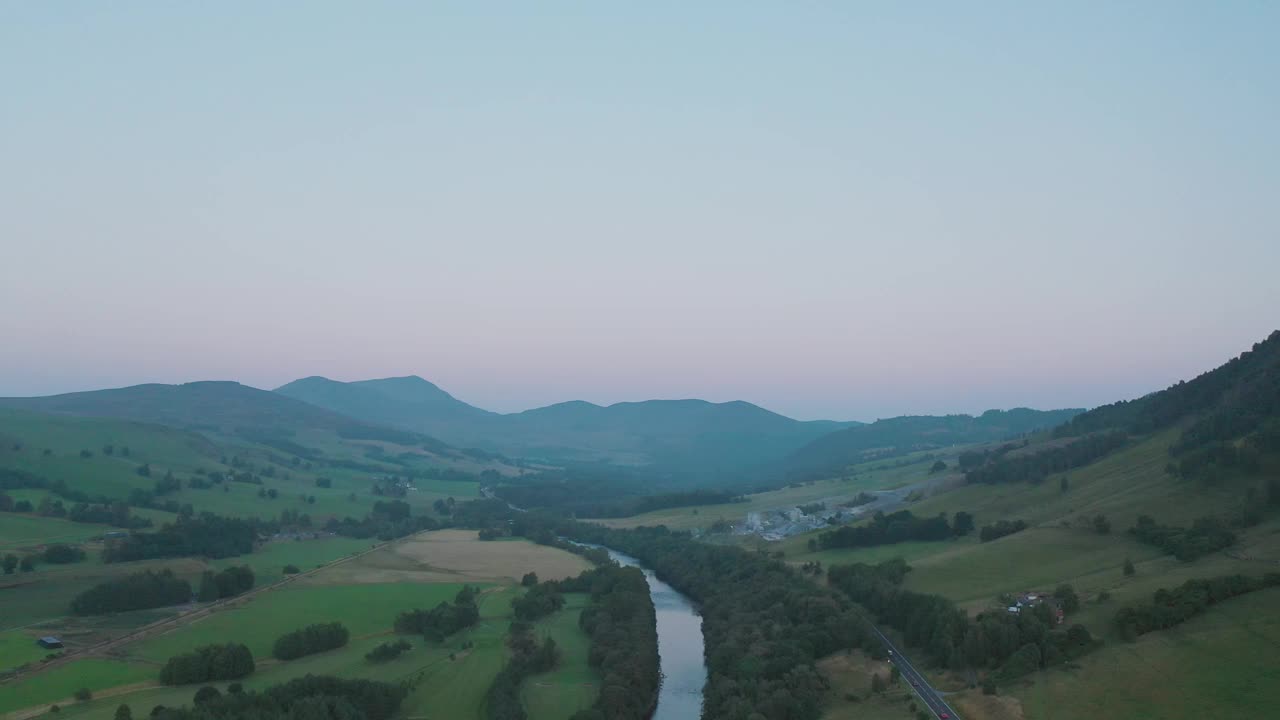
x=1230 y=416
x=897 y=436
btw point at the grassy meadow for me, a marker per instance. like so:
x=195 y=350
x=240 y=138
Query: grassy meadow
x=573 y=684
x=448 y=679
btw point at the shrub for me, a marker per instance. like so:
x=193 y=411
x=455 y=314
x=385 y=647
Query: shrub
x=60 y=554
x=84 y=695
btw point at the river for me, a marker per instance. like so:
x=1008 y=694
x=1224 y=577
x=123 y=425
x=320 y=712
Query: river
x=680 y=656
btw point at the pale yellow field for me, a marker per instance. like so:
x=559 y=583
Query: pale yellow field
x=455 y=556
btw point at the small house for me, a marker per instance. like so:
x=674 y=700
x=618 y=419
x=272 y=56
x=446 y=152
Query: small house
x=49 y=642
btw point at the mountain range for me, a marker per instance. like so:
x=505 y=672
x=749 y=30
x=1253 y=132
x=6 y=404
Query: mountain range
x=683 y=441
x=670 y=433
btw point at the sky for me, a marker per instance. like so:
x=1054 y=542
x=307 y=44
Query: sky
x=845 y=210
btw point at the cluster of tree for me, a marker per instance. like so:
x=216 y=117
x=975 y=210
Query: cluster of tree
x=527 y=657
x=387 y=520
x=994 y=639
x=1172 y=607
x=442 y=620
x=62 y=554
x=207 y=663
x=861 y=499
x=1035 y=467
x=226 y=583
x=167 y=484
x=8 y=504
x=310 y=640
x=117 y=514
x=629 y=506
x=1001 y=528
x=897 y=527
x=388 y=651
x=1207 y=534
x=541 y=600
x=139 y=591
x=308 y=698
x=110 y=513
x=602 y=491
x=205 y=535
x=313 y=697
x=12 y=562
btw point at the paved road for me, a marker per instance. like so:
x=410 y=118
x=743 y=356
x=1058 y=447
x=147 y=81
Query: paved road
x=932 y=699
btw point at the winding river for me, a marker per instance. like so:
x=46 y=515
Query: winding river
x=683 y=666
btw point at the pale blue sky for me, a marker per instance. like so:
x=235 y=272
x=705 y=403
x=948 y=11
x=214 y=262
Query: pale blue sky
x=840 y=209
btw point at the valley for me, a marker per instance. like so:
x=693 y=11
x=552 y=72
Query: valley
x=391 y=533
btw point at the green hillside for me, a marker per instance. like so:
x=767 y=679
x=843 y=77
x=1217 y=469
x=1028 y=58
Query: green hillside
x=1079 y=510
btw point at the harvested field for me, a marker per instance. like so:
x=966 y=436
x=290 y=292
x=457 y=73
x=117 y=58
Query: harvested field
x=455 y=556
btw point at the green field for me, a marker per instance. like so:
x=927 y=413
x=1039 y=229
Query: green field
x=1218 y=665
x=268 y=561
x=187 y=453
x=59 y=684
x=18 y=647
x=447 y=680
x=21 y=531
x=573 y=684
x=46 y=594
x=364 y=609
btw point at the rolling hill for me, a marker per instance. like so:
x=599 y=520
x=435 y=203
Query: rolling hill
x=686 y=434
x=231 y=412
x=896 y=436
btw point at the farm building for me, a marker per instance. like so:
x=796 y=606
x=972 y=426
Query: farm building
x=49 y=642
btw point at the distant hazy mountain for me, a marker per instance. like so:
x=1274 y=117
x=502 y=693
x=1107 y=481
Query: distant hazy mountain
x=401 y=401
x=685 y=433
x=221 y=406
x=198 y=404
x=896 y=436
